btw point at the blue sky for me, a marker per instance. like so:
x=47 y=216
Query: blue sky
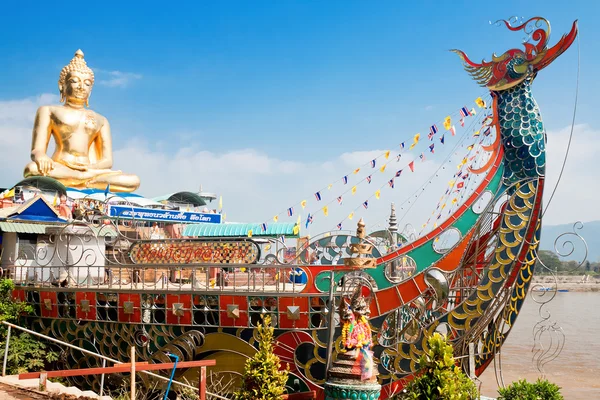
x=296 y=81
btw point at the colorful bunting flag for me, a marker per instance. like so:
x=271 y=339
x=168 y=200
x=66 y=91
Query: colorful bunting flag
x=433 y=129
x=276 y=218
x=464 y=112
x=250 y=233
x=402 y=146
x=318 y=196
x=366 y=204
x=303 y=204
x=339 y=199
x=345 y=179
x=290 y=211
x=447 y=123
x=398 y=173
x=476 y=134
x=264 y=226
x=387 y=154
x=378 y=194
x=442 y=139
x=480 y=102
x=353 y=190
x=430 y=136
x=373 y=162
x=296 y=229
x=369 y=179
x=298 y=220
x=398 y=157
x=487 y=131
x=453 y=130
x=473 y=113
x=329 y=186
x=220 y=202
x=391 y=183
x=326 y=210
x=462 y=122
x=356 y=171
x=454 y=200
x=309 y=220
x=339 y=226
x=411 y=165
x=422 y=157
x=383 y=167
x=351 y=215
x=470 y=147
x=432 y=147
x=460 y=185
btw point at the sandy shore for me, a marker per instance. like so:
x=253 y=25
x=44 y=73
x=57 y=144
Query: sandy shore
x=572 y=283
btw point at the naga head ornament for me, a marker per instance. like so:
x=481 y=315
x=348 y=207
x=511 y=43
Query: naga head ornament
x=516 y=65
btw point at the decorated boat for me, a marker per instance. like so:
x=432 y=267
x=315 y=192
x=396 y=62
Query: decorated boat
x=201 y=293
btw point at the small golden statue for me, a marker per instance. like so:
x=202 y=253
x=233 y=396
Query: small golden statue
x=83 y=155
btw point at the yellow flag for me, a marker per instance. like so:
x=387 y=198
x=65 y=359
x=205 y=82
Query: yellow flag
x=480 y=102
x=454 y=200
x=470 y=148
x=298 y=221
x=327 y=234
x=451 y=183
x=383 y=167
x=351 y=215
x=326 y=210
x=448 y=123
x=417 y=137
x=329 y=186
x=10 y=193
x=387 y=154
x=221 y=202
x=268 y=246
x=443 y=206
x=378 y=194
x=55 y=201
x=356 y=170
x=303 y=204
x=250 y=233
x=224 y=216
x=435 y=225
x=296 y=229
x=276 y=218
x=353 y=190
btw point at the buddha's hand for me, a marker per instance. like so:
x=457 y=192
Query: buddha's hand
x=45 y=164
x=76 y=167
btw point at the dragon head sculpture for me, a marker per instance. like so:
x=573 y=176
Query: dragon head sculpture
x=515 y=65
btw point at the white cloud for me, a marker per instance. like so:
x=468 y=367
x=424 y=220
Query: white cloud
x=116 y=78
x=256 y=186
x=428 y=108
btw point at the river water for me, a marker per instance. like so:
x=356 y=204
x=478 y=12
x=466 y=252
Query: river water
x=577 y=367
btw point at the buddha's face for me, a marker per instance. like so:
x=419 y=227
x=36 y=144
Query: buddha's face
x=78 y=86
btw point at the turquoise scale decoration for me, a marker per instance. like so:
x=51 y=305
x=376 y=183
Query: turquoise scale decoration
x=523 y=135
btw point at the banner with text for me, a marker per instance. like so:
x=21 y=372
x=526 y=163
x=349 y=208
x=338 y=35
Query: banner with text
x=152 y=214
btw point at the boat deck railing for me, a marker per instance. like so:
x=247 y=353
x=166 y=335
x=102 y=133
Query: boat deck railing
x=236 y=278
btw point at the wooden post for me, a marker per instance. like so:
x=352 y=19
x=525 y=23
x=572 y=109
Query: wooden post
x=42 y=385
x=132 y=373
x=202 y=384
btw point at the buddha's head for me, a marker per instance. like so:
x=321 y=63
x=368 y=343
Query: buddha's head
x=76 y=81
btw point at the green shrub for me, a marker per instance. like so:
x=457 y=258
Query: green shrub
x=439 y=378
x=523 y=390
x=26 y=353
x=263 y=379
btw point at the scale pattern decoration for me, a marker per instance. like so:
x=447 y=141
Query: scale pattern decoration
x=473 y=292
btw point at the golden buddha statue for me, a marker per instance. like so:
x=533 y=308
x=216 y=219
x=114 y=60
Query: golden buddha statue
x=83 y=155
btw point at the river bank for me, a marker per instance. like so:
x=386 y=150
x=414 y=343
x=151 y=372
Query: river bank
x=572 y=283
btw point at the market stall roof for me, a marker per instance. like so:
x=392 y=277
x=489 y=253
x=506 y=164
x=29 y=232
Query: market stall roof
x=183 y=198
x=43 y=183
x=36 y=209
x=23 y=227
x=239 y=230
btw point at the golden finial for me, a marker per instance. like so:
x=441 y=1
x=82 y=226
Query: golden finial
x=77 y=64
x=360 y=230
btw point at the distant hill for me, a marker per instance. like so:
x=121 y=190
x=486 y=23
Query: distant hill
x=590 y=232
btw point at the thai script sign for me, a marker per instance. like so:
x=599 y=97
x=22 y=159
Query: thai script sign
x=178 y=251
x=152 y=214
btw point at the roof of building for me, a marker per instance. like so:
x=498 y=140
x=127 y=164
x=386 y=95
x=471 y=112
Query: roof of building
x=36 y=209
x=24 y=227
x=43 y=183
x=238 y=230
x=193 y=199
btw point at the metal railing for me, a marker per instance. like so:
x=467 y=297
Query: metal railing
x=102 y=357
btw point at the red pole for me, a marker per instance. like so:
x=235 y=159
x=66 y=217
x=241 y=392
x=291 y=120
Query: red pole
x=202 y=383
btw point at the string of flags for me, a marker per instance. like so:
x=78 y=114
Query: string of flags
x=464 y=112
